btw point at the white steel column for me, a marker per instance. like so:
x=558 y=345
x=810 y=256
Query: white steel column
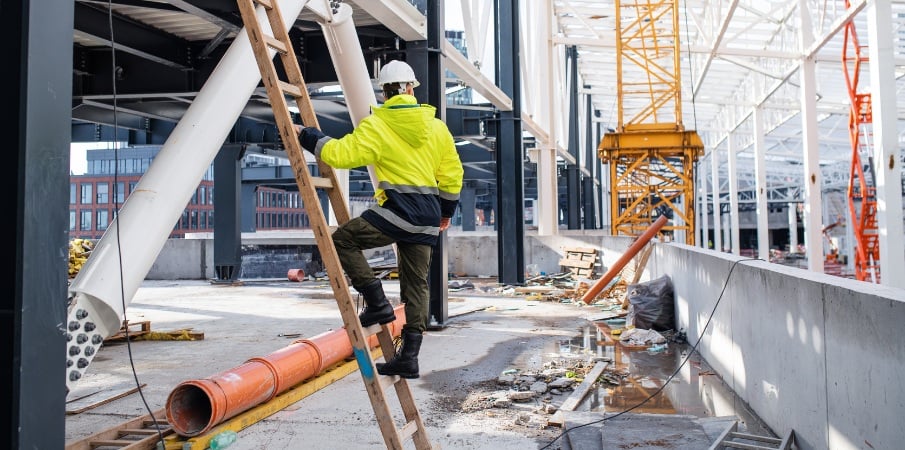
x=733 y=198
x=352 y=72
x=547 y=197
x=725 y=222
x=698 y=211
x=680 y=205
x=793 y=227
x=849 y=249
x=760 y=173
x=887 y=165
x=705 y=227
x=811 y=150
x=715 y=183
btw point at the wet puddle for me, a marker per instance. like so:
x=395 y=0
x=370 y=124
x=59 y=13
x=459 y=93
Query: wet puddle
x=695 y=390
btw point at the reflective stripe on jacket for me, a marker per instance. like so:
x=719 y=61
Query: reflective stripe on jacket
x=415 y=162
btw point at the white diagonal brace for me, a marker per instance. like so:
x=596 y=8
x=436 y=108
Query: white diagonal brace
x=399 y=16
x=717 y=42
x=474 y=79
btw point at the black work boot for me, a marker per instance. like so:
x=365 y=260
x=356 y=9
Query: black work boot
x=378 y=309
x=405 y=363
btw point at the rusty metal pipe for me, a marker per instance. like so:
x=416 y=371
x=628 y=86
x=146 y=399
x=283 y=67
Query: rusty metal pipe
x=196 y=406
x=633 y=250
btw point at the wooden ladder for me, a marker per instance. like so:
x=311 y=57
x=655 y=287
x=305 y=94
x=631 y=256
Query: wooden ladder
x=375 y=384
x=732 y=438
x=141 y=433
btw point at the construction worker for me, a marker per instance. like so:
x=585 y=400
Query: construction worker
x=419 y=178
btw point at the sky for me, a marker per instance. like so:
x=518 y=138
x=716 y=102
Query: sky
x=78 y=162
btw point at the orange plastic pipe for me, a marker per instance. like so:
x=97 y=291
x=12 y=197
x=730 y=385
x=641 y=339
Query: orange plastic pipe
x=633 y=250
x=196 y=406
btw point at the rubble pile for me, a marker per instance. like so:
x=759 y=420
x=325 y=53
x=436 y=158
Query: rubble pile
x=79 y=250
x=533 y=395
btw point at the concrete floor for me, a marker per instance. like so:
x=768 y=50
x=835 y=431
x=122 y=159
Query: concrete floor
x=487 y=333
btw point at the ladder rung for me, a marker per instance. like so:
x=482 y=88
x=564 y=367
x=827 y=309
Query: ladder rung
x=373 y=329
x=111 y=443
x=742 y=446
x=265 y=3
x=321 y=182
x=162 y=423
x=754 y=437
x=408 y=430
x=275 y=44
x=289 y=88
x=387 y=380
x=137 y=431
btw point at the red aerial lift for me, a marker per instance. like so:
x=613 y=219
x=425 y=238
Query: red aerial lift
x=862 y=200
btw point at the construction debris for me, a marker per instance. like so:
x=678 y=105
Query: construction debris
x=144 y=333
x=580 y=261
x=79 y=251
x=295 y=275
x=85 y=402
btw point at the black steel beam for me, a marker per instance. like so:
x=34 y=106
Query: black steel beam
x=426 y=59
x=509 y=149
x=588 y=195
x=133 y=38
x=227 y=229
x=36 y=42
x=573 y=173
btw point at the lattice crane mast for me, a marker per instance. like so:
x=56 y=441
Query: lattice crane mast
x=651 y=156
x=862 y=200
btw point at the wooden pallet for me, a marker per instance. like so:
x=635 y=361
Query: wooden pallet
x=580 y=261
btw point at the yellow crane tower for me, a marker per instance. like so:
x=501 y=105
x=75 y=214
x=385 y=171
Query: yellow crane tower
x=650 y=154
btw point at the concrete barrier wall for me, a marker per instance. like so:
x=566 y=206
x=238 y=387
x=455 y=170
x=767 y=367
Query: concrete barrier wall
x=184 y=259
x=806 y=351
x=476 y=254
x=815 y=353
x=471 y=254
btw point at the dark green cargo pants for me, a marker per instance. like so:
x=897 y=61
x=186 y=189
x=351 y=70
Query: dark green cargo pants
x=413 y=261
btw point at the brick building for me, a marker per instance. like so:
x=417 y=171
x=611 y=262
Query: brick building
x=111 y=175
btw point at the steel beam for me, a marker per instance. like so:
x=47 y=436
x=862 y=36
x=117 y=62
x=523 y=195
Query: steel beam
x=509 y=152
x=36 y=38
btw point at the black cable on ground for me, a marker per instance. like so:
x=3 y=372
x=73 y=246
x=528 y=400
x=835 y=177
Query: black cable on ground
x=119 y=246
x=684 y=361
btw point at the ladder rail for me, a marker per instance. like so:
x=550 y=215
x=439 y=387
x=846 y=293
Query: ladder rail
x=727 y=440
x=276 y=92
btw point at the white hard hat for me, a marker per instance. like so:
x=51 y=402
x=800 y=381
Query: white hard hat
x=396 y=72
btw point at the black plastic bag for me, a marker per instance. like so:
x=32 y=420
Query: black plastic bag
x=652 y=305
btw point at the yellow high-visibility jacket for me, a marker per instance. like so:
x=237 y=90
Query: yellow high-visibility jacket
x=416 y=164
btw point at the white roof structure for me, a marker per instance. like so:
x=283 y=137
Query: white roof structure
x=738 y=60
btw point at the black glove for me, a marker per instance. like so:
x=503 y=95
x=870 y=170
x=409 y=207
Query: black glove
x=309 y=137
